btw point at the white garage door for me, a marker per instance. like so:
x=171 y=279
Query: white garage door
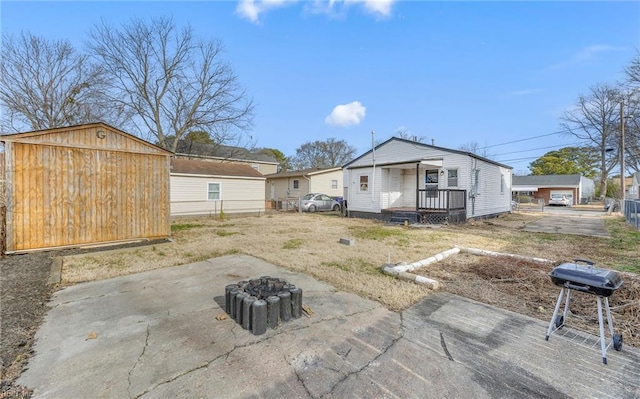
x=566 y=193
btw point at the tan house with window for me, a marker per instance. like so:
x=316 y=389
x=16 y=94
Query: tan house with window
x=285 y=185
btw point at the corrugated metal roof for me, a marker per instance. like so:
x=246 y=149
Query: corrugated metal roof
x=191 y=167
x=547 y=180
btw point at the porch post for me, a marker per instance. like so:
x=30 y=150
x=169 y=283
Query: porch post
x=417 y=187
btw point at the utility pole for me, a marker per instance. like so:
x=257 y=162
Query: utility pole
x=622 y=123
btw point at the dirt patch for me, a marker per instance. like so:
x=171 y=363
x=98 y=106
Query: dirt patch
x=524 y=287
x=24 y=294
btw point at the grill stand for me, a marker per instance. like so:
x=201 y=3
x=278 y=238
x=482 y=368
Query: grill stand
x=616 y=339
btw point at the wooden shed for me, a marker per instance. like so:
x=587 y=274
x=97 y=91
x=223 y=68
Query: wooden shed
x=82 y=185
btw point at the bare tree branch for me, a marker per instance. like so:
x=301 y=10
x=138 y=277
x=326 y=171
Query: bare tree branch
x=596 y=121
x=46 y=84
x=173 y=82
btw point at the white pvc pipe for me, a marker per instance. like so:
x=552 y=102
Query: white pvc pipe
x=475 y=251
x=432 y=259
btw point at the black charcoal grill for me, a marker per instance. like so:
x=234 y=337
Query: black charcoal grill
x=584 y=277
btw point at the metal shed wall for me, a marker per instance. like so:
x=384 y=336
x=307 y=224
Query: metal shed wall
x=83 y=185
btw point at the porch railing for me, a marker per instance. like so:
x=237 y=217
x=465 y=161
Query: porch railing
x=442 y=200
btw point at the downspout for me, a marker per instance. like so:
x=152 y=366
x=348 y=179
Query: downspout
x=373 y=175
x=309 y=185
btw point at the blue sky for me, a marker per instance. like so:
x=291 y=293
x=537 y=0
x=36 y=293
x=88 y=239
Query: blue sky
x=455 y=72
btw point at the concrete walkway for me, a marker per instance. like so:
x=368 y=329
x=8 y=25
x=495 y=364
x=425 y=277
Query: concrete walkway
x=562 y=224
x=155 y=335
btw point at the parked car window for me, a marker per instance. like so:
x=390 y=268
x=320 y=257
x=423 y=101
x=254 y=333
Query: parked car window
x=213 y=191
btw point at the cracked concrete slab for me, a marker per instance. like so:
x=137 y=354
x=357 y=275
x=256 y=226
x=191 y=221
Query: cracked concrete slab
x=562 y=224
x=154 y=335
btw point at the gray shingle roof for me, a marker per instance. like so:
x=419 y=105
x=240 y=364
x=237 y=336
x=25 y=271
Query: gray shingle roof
x=547 y=180
x=187 y=147
x=193 y=167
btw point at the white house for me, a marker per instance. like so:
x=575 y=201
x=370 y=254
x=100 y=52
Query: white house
x=299 y=183
x=434 y=183
x=214 y=188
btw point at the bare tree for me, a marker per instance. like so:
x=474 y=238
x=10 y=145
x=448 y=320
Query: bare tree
x=633 y=70
x=475 y=148
x=174 y=82
x=47 y=84
x=330 y=153
x=596 y=121
x=632 y=117
x=406 y=134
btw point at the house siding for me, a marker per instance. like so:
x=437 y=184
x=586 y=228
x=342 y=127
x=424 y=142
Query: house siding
x=238 y=195
x=309 y=183
x=489 y=201
x=321 y=183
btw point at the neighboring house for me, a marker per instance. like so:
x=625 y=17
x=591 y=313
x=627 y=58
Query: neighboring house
x=633 y=189
x=215 y=188
x=299 y=183
x=264 y=164
x=433 y=183
x=82 y=185
x=577 y=188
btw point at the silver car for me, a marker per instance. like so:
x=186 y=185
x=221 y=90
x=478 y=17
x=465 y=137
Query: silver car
x=315 y=202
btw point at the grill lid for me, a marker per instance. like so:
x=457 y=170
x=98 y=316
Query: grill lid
x=586 y=278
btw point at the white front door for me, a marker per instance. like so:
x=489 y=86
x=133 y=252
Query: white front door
x=395 y=188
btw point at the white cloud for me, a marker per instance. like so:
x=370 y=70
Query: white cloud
x=346 y=114
x=586 y=54
x=381 y=8
x=252 y=9
x=338 y=8
x=523 y=92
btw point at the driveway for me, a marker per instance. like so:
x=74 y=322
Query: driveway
x=588 y=224
x=155 y=335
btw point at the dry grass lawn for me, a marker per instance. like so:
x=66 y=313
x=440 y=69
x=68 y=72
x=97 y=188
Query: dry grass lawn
x=309 y=243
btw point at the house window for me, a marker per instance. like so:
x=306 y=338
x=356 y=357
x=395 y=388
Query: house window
x=364 y=183
x=213 y=191
x=334 y=184
x=296 y=184
x=431 y=183
x=452 y=178
x=502 y=184
x=431 y=177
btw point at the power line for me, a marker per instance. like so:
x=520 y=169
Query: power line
x=526 y=139
x=540 y=148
